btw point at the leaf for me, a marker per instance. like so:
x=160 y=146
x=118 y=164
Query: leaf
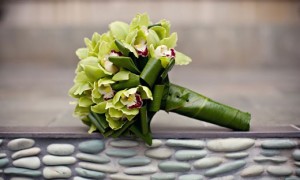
x=92 y=129
x=119 y=30
x=170 y=41
x=152 y=38
x=82 y=53
x=168 y=68
x=182 y=59
x=85 y=102
x=124 y=62
x=96 y=123
x=144 y=119
x=145 y=92
x=147 y=137
x=155 y=105
x=101 y=119
x=121 y=76
x=99 y=108
x=151 y=71
x=133 y=81
x=160 y=31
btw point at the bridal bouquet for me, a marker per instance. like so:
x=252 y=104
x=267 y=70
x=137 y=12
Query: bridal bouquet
x=122 y=81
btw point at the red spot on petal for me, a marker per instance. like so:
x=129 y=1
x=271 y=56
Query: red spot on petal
x=173 y=54
x=116 y=52
x=139 y=102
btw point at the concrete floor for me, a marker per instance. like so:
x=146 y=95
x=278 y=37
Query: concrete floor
x=35 y=95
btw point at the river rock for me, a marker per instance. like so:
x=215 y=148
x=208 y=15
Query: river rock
x=140 y=170
x=188 y=143
x=90 y=174
x=174 y=166
x=22 y=172
x=292 y=178
x=126 y=177
x=159 y=153
x=207 y=162
x=56 y=172
x=91 y=146
x=121 y=152
x=28 y=162
x=93 y=158
x=279 y=144
x=155 y=143
x=230 y=144
x=279 y=170
x=2 y=155
x=61 y=149
x=238 y=155
x=58 y=160
x=297 y=163
x=190 y=177
x=185 y=155
x=81 y=178
x=124 y=143
x=20 y=178
x=163 y=176
x=19 y=144
x=296 y=155
x=135 y=161
x=297 y=171
x=274 y=159
x=98 y=167
x=229 y=177
x=254 y=170
x=1 y=140
x=3 y=162
x=26 y=152
x=269 y=152
x=224 y=168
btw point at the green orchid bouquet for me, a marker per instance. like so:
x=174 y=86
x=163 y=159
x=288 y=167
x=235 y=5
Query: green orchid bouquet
x=122 y=81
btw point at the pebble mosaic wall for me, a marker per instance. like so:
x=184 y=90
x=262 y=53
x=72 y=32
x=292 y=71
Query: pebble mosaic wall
x=166 y=159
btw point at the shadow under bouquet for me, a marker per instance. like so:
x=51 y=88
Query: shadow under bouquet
x=122 y=81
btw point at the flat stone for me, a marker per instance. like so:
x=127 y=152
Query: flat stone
x=60 y=149
x=159 y=153
x=124 y=143
x=163 y=176
x=98 y=167
x=28 y=162
x=269 y=152
x=91 y=146
x=297 y=163
x=185 y=155
x=1 y=140
x=230 y=144
x=126 y=177
x=174 y=166
x=224 y=168
x=274 y=159
x=296 y=155
x=155 y=143
x=297 y=171
x=58 y=160
x=140 y=170
x=191 y=177
x=20 y=178
x=207 y=162
x=279 y=144
x=3 y=162
x=292 y=178
x=81 y=178
x=26 y=152
x=89 y=173
x=121 y=152
x=93 y=158
x=230 y=177
x=254 y=170
x=2 y=155
x=19 y=144
x=189 y=143
x=135 y=161
x=22 y=172
x=238 y=155
x=279 y=170
x=56 y=172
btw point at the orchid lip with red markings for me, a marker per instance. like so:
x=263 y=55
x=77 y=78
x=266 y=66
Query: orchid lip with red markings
x=139 y=102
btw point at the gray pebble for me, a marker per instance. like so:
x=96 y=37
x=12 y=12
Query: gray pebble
x=2 y=155
x=91 y=146
x=19 y=144
x=127 y=177
x=124 y=143
x=274 y=159
x=163 y=176
x=28 y=162
x=89 y=174
x=1 y=140
x=207 y=162
x=20 y=178
x=189 y=143
x=174 y=166
x=269 y=152
x=230 y=144
x=297 y=163
x=279 y=144
x=93 y=158
x=296 y=155
x=224 y=168
x=238 y=155
x=22 y=172
x=58 y=160
x=155 y=143
x=297 y=171
x=98 y=167
x=81 y=178
x=26 y=152
x=254 y=170
x=61 y=149
x=292 y=178
x=190 y=177
x=3 y=162
x=140 y=170
x=230 y=177
x=56 y=172
x=185 y=155
x=279 y=170
x=135 y=161
x=121 y=152
x=159 y=153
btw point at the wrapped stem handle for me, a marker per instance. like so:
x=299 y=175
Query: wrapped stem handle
x=189 y=103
